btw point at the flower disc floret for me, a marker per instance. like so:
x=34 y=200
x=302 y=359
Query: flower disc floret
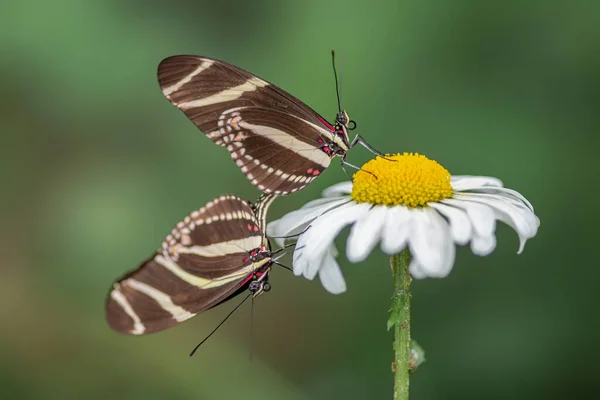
x=406 y=179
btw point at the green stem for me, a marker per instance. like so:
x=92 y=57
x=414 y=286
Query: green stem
x=400 y=319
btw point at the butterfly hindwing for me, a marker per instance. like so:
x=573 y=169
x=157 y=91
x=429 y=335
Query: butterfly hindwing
x=203 y=262
x=278 y=152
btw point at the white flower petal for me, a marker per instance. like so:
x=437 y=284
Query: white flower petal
x=365 y=233
x=467 y=182
x=460 y=226
x=396 y=230
x=321 y=201
x=331 y=274
x=295 y=222
x=299 y=262
x=482 y=217
x=508 y=193
x=483 y=245
x=322 y=233
x=520 y=219
x=430 y=242
x=449 y=252
x=342 y=188
x=416 y=270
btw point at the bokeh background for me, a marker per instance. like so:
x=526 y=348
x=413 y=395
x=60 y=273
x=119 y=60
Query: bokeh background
x=97 y=167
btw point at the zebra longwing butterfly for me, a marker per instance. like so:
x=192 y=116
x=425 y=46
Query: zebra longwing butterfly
x=280 y=143
x=214 y=254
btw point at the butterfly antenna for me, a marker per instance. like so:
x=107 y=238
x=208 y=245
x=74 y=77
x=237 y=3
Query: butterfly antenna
x=282 y=255
x=218 y=326
x=340 y=84
x=287 y=252
x=283 y=265
x=251 y=327
x=337 y=87
x=276 y=260
x=283 y=248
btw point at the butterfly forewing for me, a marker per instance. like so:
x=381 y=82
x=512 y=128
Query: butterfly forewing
x=274 y=138
x=203 y=262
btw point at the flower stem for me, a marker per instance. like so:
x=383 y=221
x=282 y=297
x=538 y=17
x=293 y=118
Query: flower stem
x=400 y=320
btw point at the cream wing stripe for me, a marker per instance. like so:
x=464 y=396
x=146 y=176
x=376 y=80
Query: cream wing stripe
x=289 y=142
x=205 y=64
x=226 y=95
x=116 y=295
x=164 y=300
x=222 y=248
x=201 y=283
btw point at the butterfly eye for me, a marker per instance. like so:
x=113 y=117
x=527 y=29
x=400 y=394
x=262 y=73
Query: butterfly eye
x=341 y=118
x=254 y=287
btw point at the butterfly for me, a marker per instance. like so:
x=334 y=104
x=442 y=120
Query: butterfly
x=279 y=143
x=213 y=255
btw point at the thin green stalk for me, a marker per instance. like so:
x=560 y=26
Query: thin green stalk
x=400 y=320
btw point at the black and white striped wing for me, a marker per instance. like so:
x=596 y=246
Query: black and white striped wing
x=203 y=262
x=259 y=123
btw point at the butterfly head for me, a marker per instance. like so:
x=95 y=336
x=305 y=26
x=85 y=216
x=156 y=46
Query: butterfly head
x=343 y=124
x=260 y=283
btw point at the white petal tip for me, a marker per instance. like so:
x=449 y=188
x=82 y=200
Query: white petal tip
x=336 y=290
x=391 y=250
x=483 y=246
x=355 y=257
x=341 y=188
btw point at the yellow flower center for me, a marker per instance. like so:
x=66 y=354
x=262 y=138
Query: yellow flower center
x=411 y=179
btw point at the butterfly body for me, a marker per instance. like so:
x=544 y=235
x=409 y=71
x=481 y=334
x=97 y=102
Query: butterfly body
x=279 y=143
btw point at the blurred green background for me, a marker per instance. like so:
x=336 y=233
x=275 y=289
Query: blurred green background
x=97 y=167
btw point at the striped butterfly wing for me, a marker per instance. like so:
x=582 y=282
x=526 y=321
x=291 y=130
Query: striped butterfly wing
x=203 y=262
x=260 y=124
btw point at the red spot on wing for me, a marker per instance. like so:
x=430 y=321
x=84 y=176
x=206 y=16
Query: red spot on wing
x=249 y=227
x=246 y=259
x=309 y=171
x=255 y=228
x=316 y=172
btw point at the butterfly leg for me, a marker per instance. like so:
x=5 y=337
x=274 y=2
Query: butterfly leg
x=344 y=163
x=290 y=236
x=283 y=248
x=283 y=265
x=276 y=260
x=355 y=140
x=346 y=172
x=360 y=140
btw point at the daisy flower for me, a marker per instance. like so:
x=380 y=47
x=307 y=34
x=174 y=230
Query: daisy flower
x=411 y=203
